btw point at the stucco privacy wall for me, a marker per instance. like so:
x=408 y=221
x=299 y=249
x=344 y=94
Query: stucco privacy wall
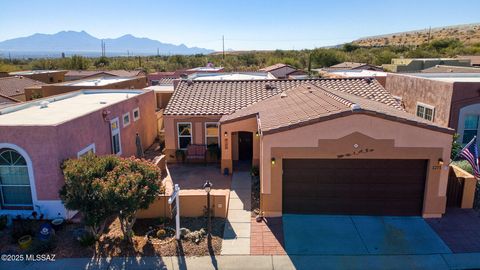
x=412 y=90
x=198 y=132
x=230 y=144
x=48 y=146
x=389 y=139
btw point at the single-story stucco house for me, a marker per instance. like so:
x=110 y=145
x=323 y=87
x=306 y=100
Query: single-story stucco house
x=323 y=146
x=37 y=136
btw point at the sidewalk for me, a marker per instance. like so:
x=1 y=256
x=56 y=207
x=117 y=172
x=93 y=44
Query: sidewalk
x=401 y=262
x=236 y=237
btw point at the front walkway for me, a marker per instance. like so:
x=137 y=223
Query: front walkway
x=236 y=237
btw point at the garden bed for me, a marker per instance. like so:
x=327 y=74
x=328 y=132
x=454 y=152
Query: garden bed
x=111 y=243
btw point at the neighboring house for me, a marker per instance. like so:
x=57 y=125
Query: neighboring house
x=451 y=69
x=14 y=87
x=417 y=64
x=380 y=76
x=90 y=83
x=73 y=75
x=448 y=99
x=324 y=146
x=354 y=66
x=474 y=59
x=167 y=77
x=283 y=71
x=231 y=76
x=45 y=76
x=37 y=136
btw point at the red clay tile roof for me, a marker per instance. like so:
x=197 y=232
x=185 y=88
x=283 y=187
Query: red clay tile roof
x=274 y=67
x=307 y=104
x=226 y=97
x=15 y=85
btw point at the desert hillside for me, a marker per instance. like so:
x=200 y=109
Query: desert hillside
x=467 y=33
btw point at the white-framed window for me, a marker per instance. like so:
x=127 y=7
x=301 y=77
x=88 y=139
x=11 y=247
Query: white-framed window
x=211 y=133
x=470 y=128
x=126 y=119
x=184 y=131
x=14 y=179
x=136 y=114
x=86 y=150
x=116 y=140
x=425 y=111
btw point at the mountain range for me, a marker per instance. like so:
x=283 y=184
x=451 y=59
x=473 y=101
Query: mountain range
x=72 y=42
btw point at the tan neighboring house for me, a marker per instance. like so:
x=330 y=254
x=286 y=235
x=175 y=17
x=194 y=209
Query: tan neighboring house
x=447 y=99
x=474 y=59
x=73 y=75
x=451 y=69
x=89 y=83
x=417 y=64
x=323 y=146
x=13 y=88
x=45 y=76
x=283 y=71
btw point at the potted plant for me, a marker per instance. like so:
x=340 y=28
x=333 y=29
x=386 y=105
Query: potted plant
x=25 y=241
x=180 y=155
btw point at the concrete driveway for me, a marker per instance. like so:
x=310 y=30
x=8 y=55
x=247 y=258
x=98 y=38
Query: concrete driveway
x=360 y=235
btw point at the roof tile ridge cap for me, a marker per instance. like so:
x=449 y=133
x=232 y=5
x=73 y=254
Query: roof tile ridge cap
x=336 y=97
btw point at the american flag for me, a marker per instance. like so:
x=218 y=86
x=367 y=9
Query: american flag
x=470 y=153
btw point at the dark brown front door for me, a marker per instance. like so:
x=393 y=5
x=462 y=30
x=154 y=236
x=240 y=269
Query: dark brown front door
x=245 y=145
x=353 y=186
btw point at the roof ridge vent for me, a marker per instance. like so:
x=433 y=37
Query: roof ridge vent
x=355 y=107
x=44 y=104
x=283 y=95
x=189 y=82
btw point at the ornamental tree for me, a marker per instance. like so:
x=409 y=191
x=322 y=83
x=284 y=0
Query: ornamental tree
x=85 y=189
x=132 y=185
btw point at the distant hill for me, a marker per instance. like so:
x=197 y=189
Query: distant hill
x=466 y=33
x=72 y=42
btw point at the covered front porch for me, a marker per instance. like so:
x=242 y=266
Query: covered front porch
x=240 y=143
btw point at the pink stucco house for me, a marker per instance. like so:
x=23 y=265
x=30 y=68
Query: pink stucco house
x=35 y=137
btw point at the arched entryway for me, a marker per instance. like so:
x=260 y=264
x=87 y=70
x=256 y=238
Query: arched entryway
x=15 y=179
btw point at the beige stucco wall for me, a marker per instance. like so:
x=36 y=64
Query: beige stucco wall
x=391 y=140
x=198 y=126
x=230 y=143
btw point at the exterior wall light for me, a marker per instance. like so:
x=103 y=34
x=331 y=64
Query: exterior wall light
x=257 y=134
x=273 y=161
x=225 y=134
x=440 y=162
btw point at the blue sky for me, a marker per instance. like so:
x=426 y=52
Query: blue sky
x=246 y=24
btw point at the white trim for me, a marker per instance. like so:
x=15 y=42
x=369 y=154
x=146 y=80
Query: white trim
x=31 y=177
x=427 y=106
x=116 y=132
x=123 y=119
x=90 y=147
x=133 y=112
x=178 y=134
x=218 y=135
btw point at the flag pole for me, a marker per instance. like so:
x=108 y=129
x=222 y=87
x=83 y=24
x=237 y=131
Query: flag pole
x=466 y=146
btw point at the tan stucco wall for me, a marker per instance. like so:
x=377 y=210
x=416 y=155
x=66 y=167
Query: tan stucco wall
x=230 y=152
x=198 y=126
x=412 y=90
x=389 y=139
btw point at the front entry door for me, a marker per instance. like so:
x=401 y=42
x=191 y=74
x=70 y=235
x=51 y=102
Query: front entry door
x=245 y=145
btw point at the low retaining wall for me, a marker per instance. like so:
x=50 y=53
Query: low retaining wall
x=192 y=204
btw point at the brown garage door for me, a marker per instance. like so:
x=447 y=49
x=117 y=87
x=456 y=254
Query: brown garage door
x=354 y=187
